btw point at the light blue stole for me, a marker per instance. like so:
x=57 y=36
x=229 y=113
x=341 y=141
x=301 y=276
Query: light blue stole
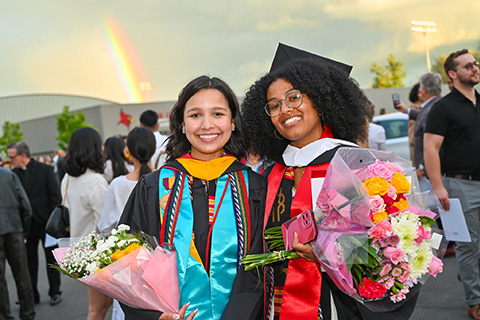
x=209 y=294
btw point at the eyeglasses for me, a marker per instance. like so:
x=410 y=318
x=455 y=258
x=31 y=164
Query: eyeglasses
x=469 y=66
x=293 y=99
x=13 y=157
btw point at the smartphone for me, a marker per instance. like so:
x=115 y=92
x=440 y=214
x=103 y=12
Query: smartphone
x=396 y=100
x=303 y=225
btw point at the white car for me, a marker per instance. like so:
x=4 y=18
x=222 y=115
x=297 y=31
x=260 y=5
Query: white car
x=396 y=131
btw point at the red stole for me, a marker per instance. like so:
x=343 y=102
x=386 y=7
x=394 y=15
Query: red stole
x=301 y=294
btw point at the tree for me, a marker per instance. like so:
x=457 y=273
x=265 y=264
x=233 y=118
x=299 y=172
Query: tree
x=11 y=133
x=389 y=76
x=438 y=67
x=67 y=122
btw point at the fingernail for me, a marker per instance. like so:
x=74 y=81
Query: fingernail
x=176 y=316
x=188 y=304
x=195 y=311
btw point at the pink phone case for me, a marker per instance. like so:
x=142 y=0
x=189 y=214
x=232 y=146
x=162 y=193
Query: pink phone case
x=303 y=225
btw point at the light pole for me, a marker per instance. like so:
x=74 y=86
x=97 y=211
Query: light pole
x=425 y=27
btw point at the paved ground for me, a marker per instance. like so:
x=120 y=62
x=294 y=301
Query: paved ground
x=440 y=298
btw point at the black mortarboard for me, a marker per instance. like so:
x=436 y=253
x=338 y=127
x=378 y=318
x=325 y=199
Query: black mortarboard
x=286 y=54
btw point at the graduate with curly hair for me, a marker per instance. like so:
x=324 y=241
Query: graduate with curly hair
x=298 y=115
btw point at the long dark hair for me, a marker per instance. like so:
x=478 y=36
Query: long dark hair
x=342 y=105
x=178 y=144
x=84 y=152
x=141 y=145
x=114 y=151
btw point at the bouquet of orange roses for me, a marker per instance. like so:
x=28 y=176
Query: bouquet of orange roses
x=129 y=268
x=375 y=237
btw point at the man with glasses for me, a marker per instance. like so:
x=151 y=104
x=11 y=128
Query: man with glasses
x=43 y=191
x=452 y=160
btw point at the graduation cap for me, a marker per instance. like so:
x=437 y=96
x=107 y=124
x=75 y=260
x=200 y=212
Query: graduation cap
x=286 y=54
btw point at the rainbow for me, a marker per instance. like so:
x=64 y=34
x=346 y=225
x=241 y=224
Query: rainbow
x=126 y=63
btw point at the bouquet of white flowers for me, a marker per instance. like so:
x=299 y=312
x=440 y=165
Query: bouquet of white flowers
x=126 y=267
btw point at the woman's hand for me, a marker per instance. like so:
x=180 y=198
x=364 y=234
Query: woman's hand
x=180 y=315
x=303 y=250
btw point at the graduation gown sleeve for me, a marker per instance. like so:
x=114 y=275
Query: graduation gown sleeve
x=143 y=201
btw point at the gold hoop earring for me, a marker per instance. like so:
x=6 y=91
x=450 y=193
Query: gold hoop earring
x=276 y=136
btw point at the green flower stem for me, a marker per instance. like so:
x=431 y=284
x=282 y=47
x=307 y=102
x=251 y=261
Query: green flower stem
x=253 y=261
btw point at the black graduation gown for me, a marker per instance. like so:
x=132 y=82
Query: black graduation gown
x=142 y=212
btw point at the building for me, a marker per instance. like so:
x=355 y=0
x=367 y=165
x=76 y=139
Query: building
x=36 y=114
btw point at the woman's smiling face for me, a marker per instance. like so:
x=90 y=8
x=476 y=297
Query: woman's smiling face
x=300 y=126
x=207 y=123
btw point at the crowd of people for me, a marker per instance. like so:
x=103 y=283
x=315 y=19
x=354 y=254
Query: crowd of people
x=262 y=153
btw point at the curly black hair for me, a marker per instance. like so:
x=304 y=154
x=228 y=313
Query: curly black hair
x=341 y=103
x=178 y=145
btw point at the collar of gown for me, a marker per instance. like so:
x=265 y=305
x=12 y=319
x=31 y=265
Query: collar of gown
x=295 y=157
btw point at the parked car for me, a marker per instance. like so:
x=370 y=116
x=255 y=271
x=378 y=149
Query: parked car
x=396 y=131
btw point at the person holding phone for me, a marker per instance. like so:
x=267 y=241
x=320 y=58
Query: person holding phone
x=430 y=90
x=215 y=203
x=299 y=115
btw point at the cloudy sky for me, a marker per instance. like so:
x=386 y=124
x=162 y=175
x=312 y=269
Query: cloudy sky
x=76 y=47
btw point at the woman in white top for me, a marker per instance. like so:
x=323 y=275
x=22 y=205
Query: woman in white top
x=141 y=146
x=84 y=197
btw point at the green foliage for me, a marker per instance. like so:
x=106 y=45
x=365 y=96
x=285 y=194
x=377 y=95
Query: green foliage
x=67 y=123
x=389 y=76
x=438 y=67
x=11 y=133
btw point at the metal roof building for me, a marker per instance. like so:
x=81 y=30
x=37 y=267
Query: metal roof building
x=36 y=114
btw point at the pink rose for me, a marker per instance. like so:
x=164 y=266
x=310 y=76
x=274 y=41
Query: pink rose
x=380 y=169
x=394 y=254
x=422 y=234
x=435 y=266
x=380 y=230
x=377 y=204
x=394 y=167
x=392 y=192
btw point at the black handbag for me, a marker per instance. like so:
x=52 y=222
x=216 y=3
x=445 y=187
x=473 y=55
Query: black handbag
x=58 y=225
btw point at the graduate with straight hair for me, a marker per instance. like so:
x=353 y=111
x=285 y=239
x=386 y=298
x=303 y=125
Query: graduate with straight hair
x=213 y=203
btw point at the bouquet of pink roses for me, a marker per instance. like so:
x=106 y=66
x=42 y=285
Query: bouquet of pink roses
x=375 y=238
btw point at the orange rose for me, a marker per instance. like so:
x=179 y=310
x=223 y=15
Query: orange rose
x=379 y=216
x=401 y=204
x=134 y=246
x=121 y=253
x=400 y=183
x=376 y=186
